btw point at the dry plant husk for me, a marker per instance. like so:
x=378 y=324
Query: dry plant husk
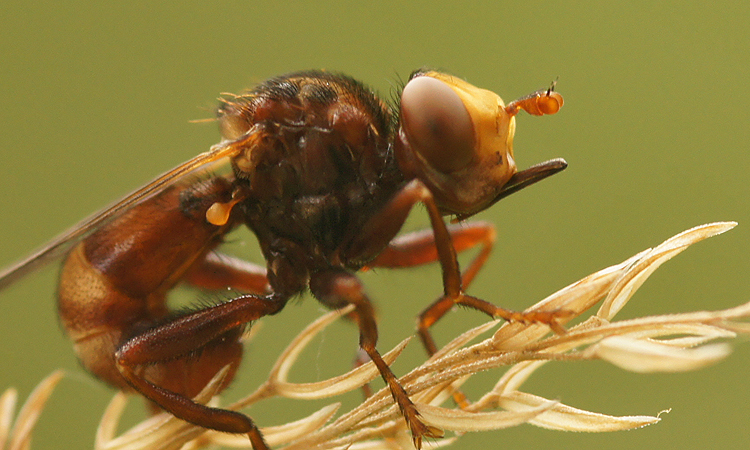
x=666 y=343
x=16 y=435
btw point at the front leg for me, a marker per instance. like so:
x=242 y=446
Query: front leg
x=371 y=240
x=384 y=226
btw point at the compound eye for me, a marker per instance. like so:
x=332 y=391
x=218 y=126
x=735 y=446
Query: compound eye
x=437 y=124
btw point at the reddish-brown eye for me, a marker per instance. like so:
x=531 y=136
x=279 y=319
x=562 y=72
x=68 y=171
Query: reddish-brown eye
x=437 y=124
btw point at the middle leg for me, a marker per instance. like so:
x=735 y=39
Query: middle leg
x=337 y=288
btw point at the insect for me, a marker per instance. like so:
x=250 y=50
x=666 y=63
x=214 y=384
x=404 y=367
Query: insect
x=324 y=173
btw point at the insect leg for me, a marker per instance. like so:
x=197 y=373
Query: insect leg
x=419 y=248
x=338 y=288
x=219 y=271
x=182 y=337
x=430 y=315
x=392 y=217
x=387 y=223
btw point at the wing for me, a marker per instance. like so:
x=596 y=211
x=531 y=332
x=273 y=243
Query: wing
x=62 y=243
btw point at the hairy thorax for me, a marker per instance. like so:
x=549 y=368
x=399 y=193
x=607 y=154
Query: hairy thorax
x=324 y=165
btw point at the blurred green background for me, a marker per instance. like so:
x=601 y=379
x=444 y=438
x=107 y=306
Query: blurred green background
x=96 y=99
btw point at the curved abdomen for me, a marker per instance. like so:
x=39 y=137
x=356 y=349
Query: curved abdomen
x=113 y=285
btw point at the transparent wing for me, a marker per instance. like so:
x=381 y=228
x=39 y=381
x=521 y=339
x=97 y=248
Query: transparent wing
x=62 y=243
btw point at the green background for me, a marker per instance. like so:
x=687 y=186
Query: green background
x=95 y=99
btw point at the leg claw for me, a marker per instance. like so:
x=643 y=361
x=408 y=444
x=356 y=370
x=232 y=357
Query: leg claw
x=550 y=318
x=420 y=430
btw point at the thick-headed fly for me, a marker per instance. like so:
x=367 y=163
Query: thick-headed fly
x=324 y=173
